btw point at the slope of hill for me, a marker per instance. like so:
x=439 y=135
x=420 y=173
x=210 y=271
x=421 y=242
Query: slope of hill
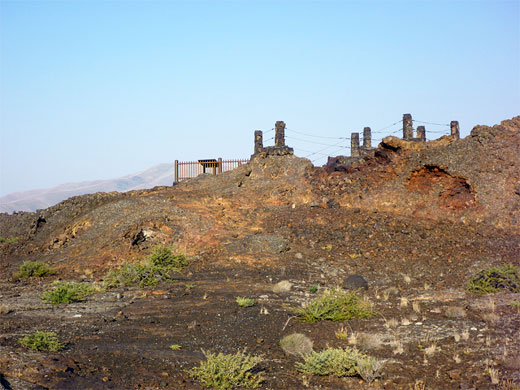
x=158 y=175
x=417 y=221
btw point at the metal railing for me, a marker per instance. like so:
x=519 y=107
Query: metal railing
x=188 y=169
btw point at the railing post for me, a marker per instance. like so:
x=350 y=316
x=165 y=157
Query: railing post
x=220 y=165
x=454 y=126
x=407 y=127
x=367 y=137
x=279 y=137
x=354 y=145
x=176 y=172
x=421 y=133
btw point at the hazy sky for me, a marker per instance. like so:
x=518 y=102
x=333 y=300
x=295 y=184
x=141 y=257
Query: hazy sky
x=99 y=89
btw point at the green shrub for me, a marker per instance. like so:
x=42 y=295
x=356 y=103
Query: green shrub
x=159 y=265
x=503 y=277
x=163 y=256
x=296 y=344
x=313 y=289
x=245 y=302
x=516 y=305
x=8 y=240
x=334 y=305
x=41 y=341
x=67 y=292
x=332 y=361
x=227 y=371
x=34 y=268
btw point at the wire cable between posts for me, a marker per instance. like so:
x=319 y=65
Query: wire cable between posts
x=314 y=142
x=431 y=123
x=321 y=150
x=315 y=136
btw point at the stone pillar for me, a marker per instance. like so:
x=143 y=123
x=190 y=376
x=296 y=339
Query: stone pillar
x=421 y=133
x=367 y=137
x=220 y=165
x=259 y=142
x=176 y=172
x=407 y=127
x=455 y=132
x=354 y=145
x=279 y=137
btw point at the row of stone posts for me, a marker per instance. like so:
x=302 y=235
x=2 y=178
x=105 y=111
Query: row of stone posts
x=408 y=134
x=421 y=130
x=356 y=150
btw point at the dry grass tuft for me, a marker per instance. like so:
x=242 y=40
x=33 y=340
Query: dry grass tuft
x=455 y=312
x=391 y=323
x=366 y=340
x=296 y=344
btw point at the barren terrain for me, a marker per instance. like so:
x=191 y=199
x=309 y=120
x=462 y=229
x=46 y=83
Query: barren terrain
x=417 y=221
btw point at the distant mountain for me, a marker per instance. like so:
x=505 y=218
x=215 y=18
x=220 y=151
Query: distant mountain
x=158 y=175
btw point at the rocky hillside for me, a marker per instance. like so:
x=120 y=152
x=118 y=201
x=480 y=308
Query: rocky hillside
x=417 y=221
x=161 y=174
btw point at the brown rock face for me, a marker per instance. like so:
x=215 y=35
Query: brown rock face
x=475 y=178
x=452 y=192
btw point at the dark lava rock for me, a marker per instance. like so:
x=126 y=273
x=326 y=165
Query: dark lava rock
x=355 y=282
x=267 y=243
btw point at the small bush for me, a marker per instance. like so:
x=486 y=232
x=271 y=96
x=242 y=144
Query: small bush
x=68 y=292
x=296 y=344
x=226 y=371
x=163 y=257
x=34 y=268
x=245 y=302
x=516 y=305
x=158 y=266
x=175 y=347
x=332 y=361
x=41 y=341
x=503 y=277
x=334 y=305
x=313 y=289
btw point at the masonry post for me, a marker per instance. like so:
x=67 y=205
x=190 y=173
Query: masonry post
x=220 y=165
x=454 y=126
x=421 y=133
x=354 y=145
x=367 y=137
x=259 y=142
x=176 y=172
x=279 y=138
x=407 y=127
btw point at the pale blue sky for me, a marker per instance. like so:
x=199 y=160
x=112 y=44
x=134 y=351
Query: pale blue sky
x=99 y=89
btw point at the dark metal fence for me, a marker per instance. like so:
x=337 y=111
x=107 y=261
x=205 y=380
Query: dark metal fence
x=188 y=169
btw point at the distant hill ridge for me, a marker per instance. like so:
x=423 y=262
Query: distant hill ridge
x=158 y=175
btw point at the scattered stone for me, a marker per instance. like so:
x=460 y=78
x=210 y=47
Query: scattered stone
x=355 y=282
x=299 y=256
x=283 y=286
